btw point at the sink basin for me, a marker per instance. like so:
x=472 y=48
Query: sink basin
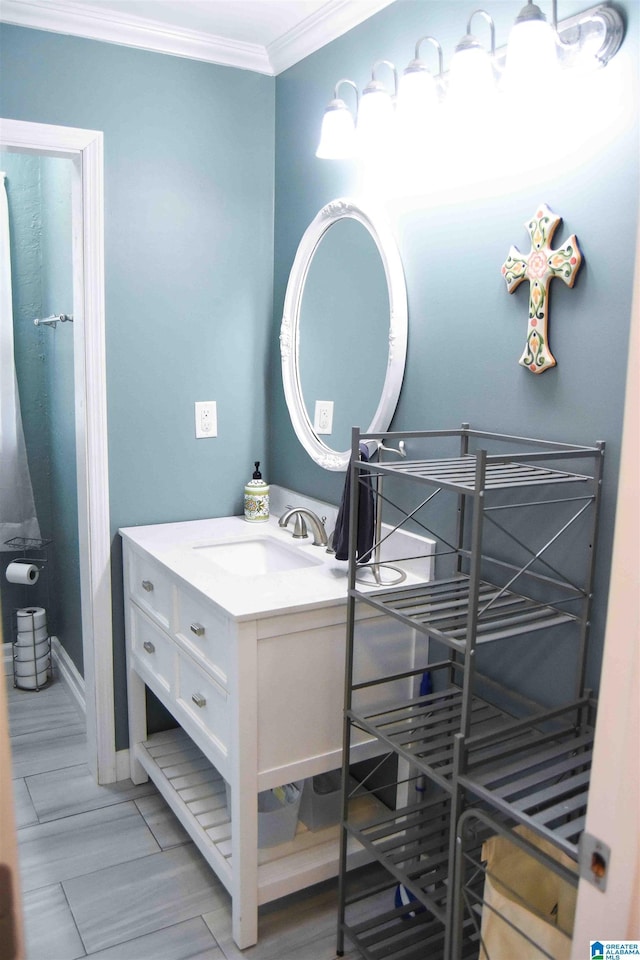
x=255 y=556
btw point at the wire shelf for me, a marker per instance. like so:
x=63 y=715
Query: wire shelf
x=441 y=609
x=422 y=730
x=412 y=843
x=27 y=543
x=460 y=473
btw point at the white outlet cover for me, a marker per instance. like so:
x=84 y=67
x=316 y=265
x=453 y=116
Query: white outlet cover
x=323 y=417
x=206 y=416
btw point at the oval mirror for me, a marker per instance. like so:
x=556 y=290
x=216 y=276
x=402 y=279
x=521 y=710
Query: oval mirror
x=343 y=339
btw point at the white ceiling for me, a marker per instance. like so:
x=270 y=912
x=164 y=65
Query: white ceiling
x=262 y=35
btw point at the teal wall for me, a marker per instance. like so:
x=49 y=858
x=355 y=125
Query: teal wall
x=189 y=181
x=57 y=298
x=466 y=334
x=24 y=198
x=39 y=198
x=198 y=158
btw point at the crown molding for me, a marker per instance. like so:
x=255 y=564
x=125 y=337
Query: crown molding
x=330 y=22
x=67 y=17
x=64 y=16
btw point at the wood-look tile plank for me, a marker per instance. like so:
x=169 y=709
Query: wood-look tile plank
x=78 y=845
x=30 y=711
x=299 y=927
x=50 y=749
x=133 y=899
x=50 y=930
x=189 y=940
x=162 y=822
x=23 y=807
x=73 y=790
x=143 y=905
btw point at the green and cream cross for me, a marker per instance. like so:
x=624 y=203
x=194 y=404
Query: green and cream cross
x=539 y=267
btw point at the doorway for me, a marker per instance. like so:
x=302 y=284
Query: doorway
x=85 y=149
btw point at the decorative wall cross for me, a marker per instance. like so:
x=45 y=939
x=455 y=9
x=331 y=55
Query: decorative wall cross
x=539 y=267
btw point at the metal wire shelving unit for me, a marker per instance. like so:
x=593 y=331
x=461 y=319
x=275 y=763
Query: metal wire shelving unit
x=515 y=563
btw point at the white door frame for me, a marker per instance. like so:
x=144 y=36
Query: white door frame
x=85 y=149
x=613 y=812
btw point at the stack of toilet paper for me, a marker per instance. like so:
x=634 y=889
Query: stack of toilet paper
x=31 y=648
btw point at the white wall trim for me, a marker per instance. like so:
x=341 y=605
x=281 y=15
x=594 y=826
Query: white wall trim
x=67 y=17
x=613 y=812
x=85 y=149
x=68 y=673
x=123 y=765
x=330 y=22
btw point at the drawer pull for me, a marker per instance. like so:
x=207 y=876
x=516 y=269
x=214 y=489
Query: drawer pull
x=149 y=647
x=198 y=629
x=147 y=585
x=199 y=700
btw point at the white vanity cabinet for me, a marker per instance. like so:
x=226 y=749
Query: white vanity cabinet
x=258 y=696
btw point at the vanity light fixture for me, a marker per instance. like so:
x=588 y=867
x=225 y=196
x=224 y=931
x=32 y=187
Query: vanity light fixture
x=593 y=37
x=376 y=113
x=471 y=73
x=337 y=135
x=419 y=89
x=532 y=52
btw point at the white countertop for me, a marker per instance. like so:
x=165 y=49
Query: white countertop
x=247 y=597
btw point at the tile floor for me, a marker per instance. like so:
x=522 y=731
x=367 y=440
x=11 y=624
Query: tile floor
x=109 y=873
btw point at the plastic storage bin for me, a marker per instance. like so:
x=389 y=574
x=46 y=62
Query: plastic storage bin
x=321 y=803
x=277 y=813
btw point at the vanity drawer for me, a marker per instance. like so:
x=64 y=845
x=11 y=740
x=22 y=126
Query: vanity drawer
x=204 y=702
x=205 y=632
x=151 y=588
x=153 y=652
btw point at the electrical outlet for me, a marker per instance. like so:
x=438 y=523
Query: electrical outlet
x=323 y=417
x=206 y=419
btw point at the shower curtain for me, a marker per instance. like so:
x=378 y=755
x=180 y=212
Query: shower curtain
x=17 y=507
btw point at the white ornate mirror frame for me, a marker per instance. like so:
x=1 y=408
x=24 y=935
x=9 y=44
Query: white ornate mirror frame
x=383 y=237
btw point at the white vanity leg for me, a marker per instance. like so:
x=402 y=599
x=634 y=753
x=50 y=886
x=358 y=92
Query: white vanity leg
x=137 y=724
x=245 y=880
x=244 y=802
x=136 y=699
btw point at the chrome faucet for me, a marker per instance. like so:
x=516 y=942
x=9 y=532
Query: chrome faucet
x=300 y=530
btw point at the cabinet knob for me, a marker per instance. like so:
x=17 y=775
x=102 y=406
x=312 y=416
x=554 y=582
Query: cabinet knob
x=199 y=700
x=149 y=647
x=147 y=585
x=198 y=629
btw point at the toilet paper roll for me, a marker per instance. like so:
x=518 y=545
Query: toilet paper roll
x=26 y=653
x=30 y=618
x=30 y=683
x=27 y=668
x=26 y=638
x=21 y=572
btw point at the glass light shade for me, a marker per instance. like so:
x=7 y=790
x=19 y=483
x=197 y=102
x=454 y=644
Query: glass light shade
x=471 y=80
x=417 y=96
x=376 y=118
x=532 y=56
x=337 y=135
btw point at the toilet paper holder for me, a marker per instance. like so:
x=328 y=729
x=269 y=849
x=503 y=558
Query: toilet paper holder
x=23 y=571
x=32 y=636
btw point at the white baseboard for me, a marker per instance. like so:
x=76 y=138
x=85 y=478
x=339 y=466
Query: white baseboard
x=123 y=765
x=68 y=673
